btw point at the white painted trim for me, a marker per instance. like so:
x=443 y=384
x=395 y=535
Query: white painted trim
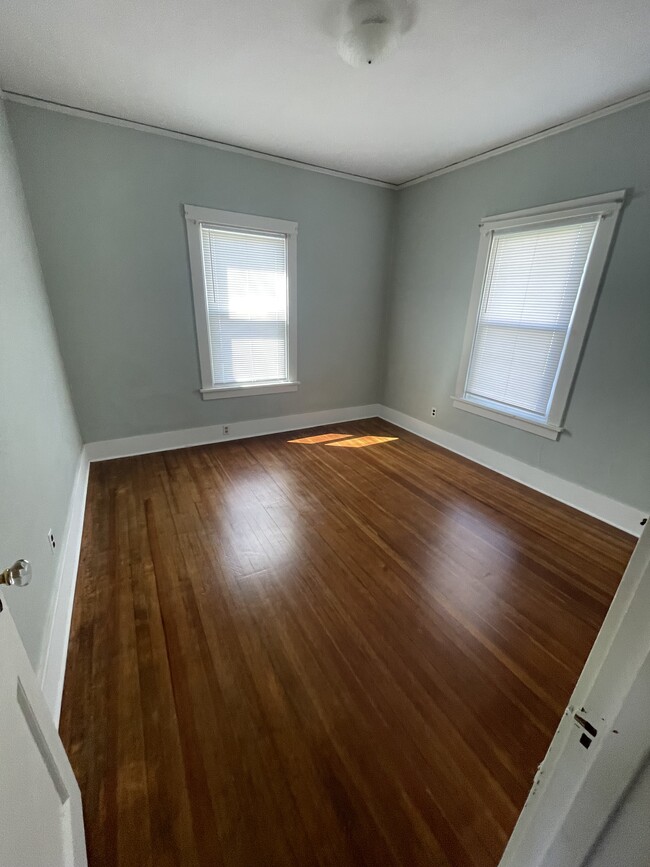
x=621 y=105
x=605 y=208
x=600 y=506
x=195 y=218
x=572 y=795
x=604 y=508
x=248 y=390
x=88 y=114
x=180 y=439
x=237 y=220
x=52 y=668
x=604 y=204
x=543 y=430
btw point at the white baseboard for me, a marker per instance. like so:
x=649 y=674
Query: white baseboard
x=611 y=511
x=199 y=436
x=52 y=669
x=597 y=505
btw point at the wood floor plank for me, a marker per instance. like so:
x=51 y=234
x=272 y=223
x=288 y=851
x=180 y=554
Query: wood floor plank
x=340 y=646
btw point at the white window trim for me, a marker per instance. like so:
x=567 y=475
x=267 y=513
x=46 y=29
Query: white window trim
x=194 y=217
x=607 y=207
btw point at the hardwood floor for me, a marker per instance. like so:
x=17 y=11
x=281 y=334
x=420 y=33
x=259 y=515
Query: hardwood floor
x=335 y=647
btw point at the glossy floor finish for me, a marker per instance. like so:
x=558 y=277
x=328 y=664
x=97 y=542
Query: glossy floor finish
x=343 y=646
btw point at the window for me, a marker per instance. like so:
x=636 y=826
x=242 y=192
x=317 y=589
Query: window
x=535 y=285
x=244 y=281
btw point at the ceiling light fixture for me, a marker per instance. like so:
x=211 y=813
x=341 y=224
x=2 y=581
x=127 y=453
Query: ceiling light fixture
x=372 y=31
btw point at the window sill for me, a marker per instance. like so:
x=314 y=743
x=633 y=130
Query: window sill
x=248 y=390
x=550 y=431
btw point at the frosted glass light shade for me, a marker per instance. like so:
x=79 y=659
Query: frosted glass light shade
x=373 y=34
x=368 y=43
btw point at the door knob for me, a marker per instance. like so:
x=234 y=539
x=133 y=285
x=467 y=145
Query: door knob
x=18 y=575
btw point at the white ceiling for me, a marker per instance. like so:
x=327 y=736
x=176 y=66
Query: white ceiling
x=469 y=75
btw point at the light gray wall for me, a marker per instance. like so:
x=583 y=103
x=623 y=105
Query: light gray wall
x=39 y=440
x=606 y=446
x=625 y=840
x=106 y=205
x=106 y=208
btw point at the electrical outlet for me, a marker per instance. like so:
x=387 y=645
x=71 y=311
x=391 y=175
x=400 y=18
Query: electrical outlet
x=433 y=411
x=226 y=430
x=51 y=540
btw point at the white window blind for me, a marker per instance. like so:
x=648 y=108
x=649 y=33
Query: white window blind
x=246 y=287
x=530 y=290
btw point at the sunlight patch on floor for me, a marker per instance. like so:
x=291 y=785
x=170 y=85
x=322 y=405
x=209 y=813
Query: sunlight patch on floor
x=320 y=438
x=361 y=442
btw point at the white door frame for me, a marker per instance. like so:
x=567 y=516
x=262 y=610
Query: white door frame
x=559 y=823
x=41 y=820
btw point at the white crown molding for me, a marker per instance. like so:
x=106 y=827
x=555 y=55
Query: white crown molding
x=53 y=662
x=49 y=105
x=597 y=505
x=621 y=105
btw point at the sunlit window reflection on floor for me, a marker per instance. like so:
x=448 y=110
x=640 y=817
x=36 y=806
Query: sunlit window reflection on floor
x=361 y=442
x=347 y=441
x=321 y=438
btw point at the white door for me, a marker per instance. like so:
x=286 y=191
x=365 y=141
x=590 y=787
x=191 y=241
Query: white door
x=41 y=823
x=586 y=793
